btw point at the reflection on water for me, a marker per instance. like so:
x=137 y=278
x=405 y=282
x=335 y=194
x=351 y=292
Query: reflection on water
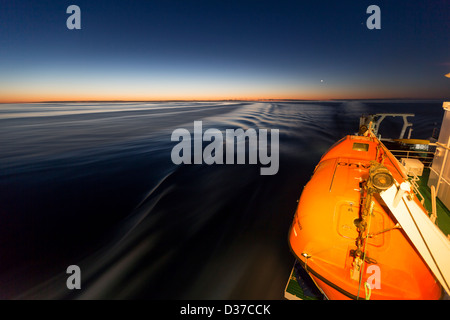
x=94 y=185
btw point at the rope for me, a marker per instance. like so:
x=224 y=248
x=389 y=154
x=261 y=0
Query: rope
x=368 y=290
x=364 y=251
x=307 y=256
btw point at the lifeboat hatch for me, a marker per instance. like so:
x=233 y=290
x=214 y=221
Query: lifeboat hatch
x=347 y=218
x=347 y=213
x=360 y=146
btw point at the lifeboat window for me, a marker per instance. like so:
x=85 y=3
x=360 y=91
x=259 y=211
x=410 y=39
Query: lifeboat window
x=360 y=146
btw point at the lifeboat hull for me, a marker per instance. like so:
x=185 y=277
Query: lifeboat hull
x=324 y=232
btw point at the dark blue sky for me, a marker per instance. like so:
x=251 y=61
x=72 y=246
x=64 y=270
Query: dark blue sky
x=145 y=50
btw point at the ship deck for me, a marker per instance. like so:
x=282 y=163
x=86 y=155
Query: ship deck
x=443 y=213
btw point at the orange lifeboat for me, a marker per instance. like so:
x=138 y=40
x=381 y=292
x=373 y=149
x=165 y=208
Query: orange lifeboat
x=344 y=235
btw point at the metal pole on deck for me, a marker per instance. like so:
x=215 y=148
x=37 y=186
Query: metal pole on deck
x=443 y=166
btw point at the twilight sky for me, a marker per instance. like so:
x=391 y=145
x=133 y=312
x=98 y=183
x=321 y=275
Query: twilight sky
x=215 y=49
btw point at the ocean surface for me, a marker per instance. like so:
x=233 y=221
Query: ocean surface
x=93 y=185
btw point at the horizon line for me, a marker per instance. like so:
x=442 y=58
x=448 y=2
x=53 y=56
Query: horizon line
x=218 y=100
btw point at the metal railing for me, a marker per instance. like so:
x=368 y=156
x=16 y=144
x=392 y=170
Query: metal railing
x=426 y=157
x=415 y=186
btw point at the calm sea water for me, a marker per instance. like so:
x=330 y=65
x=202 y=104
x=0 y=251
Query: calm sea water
x=94 y=185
